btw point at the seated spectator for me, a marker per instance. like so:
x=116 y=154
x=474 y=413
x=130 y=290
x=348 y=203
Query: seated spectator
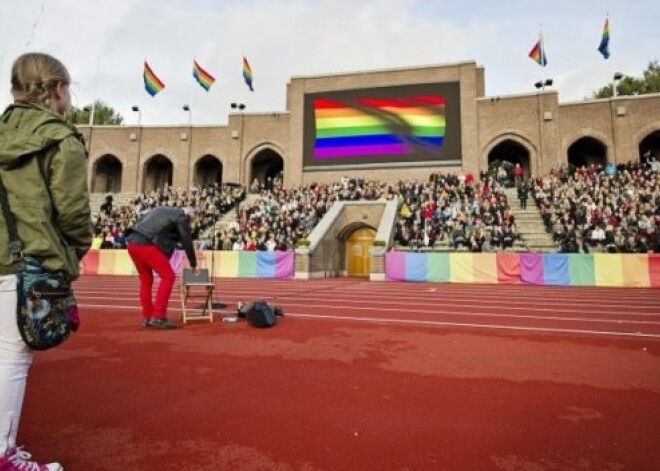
x=429 y=236
x=416 y=238
x=108 y=240
x=120 y=240
x=486 y=245
x=597 y=235
x=458 y=236
x=507 y=237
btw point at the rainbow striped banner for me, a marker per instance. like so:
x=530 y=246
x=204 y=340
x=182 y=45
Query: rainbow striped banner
x=378 y=127
x=612 y=270
x=152 y=84
x=608 y=270
x=222 y=264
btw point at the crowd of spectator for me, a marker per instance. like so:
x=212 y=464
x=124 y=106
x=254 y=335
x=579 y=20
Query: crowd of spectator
x=278 y=217
x=471 y=214
x=209 y=203
x=615 y=209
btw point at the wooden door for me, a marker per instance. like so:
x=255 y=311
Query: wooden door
x=357 y=252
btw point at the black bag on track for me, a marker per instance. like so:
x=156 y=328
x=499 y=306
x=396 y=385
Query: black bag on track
x=261 y=314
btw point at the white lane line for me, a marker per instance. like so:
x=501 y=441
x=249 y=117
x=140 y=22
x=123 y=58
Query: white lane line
x=615 y=298
x=418 y=322
x=478 y=326
x=376 y=304
x=482 y=314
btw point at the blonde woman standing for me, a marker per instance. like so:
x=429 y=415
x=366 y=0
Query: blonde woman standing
x=42 y=166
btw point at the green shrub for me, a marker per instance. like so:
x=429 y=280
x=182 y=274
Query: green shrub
x=303 y=243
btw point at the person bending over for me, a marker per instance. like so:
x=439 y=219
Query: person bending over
x=151 y=243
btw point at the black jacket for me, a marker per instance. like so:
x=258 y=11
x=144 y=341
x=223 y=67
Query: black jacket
x=164 y=227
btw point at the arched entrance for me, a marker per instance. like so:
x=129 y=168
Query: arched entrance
x=267 y=167
x=586 y=151
x=357 y=252
x=106 y=175
x=157 y=173
x=208 y=171
x=650 y=147
x=507 y=154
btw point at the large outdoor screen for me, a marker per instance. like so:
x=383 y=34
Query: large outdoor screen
x=409 y=124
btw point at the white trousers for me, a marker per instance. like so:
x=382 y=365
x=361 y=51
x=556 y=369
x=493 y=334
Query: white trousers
x=15 y=360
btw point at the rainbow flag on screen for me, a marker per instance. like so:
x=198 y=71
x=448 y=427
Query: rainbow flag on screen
x=537 y=54
x=247 y=74
x=604 y=47
x=152 y=84
x=378 y=127
x=204 y=79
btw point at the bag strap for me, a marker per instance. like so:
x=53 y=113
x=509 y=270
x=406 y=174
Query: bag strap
x=15 y=243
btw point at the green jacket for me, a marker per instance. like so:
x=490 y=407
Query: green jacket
x=43 y=166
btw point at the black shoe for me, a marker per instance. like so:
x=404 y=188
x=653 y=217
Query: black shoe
x=160 y=323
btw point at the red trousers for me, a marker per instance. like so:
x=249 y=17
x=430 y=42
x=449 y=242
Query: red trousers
x=148 y=259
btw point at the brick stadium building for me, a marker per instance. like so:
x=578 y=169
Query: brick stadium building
x=534 y=129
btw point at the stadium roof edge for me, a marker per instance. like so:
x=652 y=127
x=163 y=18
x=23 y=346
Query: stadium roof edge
x=517 y=95
x=379 y=71
x=616 y=98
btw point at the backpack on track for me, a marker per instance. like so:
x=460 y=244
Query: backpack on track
x=260 y=314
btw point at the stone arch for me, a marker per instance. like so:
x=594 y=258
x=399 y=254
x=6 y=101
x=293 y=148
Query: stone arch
x=208 y=170
x=579 y=134
x=157 y=173
x=586 y=151
x=510 y=149
x=648 y=140
x=351 y=227
x=107 y=174
x=266 y=164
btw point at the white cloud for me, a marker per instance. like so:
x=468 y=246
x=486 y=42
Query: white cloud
x=285 y=38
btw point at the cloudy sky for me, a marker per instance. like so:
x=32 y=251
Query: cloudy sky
x=105 y=42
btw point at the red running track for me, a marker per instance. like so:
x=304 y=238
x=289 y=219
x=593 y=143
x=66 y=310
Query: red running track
x=358 y=376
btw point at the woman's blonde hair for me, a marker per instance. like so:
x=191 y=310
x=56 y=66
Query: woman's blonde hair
x=34 y=75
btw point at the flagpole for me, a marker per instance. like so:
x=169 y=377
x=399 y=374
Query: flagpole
x=613 y=66
x=543 y=60
x=96 y=88
x=542 y=55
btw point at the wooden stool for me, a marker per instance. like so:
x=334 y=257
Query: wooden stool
x=192 y=287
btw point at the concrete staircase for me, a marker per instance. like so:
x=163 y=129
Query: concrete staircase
x=229 y=216
x=530 y=224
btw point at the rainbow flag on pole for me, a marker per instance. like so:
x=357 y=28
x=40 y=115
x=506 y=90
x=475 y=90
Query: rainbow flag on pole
x=537 y=54
x=204 y=79
x=604 y=47
x=247 y=73
x=152 y=84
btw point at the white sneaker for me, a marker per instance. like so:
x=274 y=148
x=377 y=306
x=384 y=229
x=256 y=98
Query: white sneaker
x=15 y=459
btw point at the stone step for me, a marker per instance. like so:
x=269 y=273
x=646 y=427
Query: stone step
x=526 y=213
x=531 y=229
x=530 y=224
x=230 y=216
x=539 y=240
